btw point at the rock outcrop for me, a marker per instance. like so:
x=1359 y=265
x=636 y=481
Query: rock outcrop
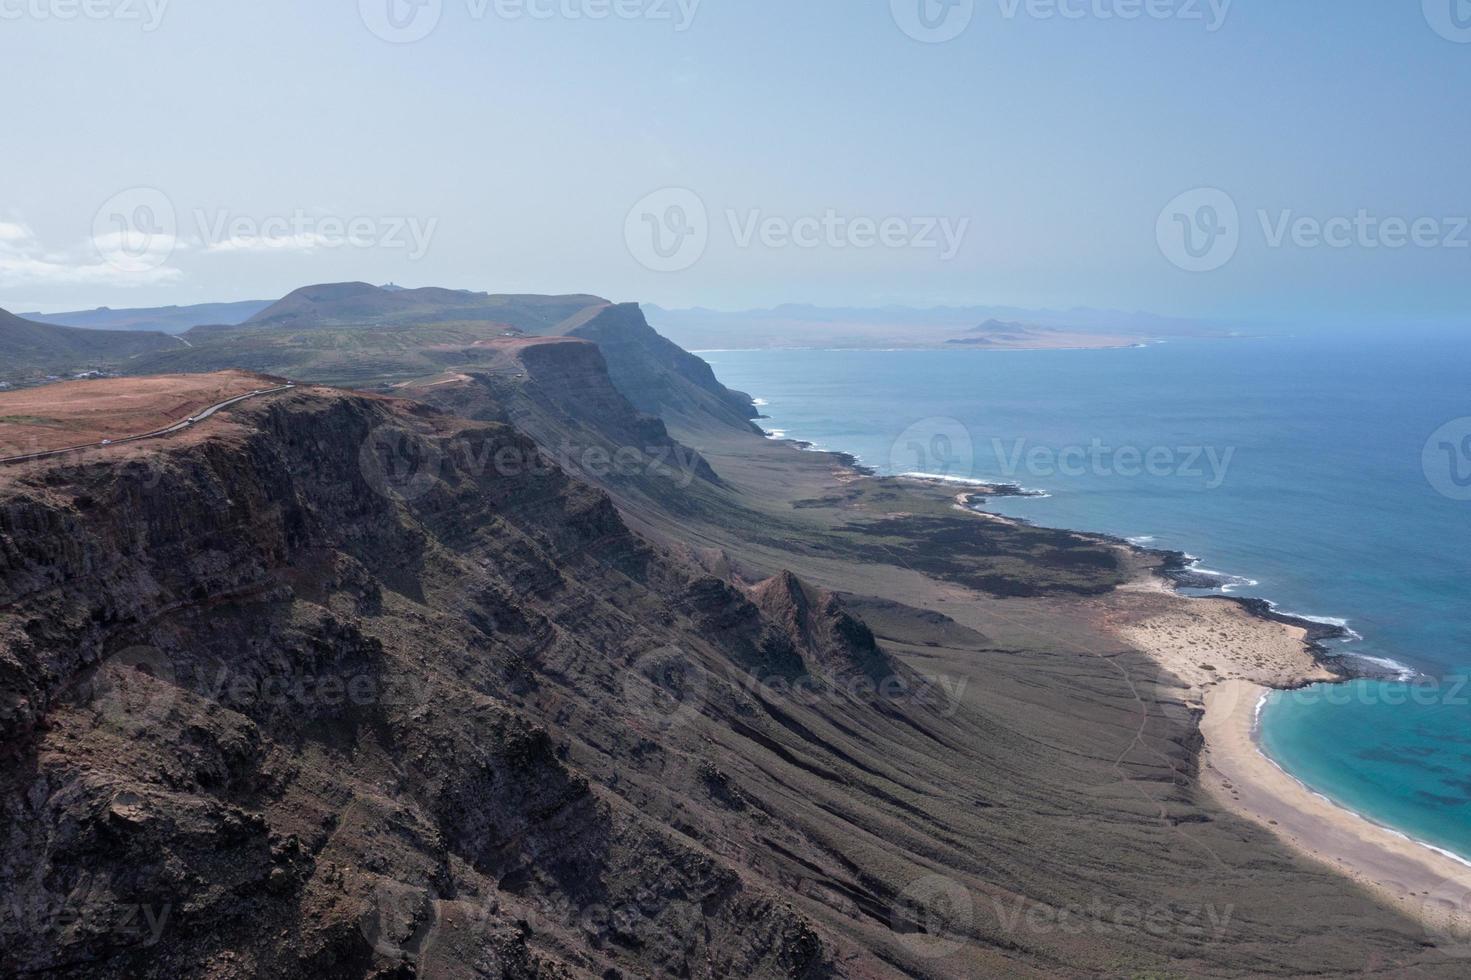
x=830 y=637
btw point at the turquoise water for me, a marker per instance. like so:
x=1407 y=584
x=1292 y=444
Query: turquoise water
x=1295 y=468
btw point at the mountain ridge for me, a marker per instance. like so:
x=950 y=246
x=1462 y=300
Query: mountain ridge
x=31 y=350
x=165 y=319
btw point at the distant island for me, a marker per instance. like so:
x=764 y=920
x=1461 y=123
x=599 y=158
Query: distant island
x=899 y=327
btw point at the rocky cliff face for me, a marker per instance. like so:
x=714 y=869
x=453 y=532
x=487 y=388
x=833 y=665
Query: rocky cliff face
x=350 y=687
x=560 y=392
x=341 y=684
x=659 y=376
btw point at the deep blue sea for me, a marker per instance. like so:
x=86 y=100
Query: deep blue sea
x=1329 y=474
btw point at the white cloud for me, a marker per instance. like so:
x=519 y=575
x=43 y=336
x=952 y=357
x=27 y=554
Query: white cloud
x=11 y=231
x=25 y=261
x=301 y=242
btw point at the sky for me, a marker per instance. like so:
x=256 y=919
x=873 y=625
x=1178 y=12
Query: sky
x=1258 y=160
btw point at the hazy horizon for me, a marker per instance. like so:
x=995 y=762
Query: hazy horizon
x=700 y=154
x=1045 y=315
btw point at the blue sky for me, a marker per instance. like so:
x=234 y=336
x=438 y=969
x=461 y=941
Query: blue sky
x=189 y=151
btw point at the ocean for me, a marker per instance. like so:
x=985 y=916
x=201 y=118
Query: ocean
x=1329 y=474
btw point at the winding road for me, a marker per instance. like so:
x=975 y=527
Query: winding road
x=167 y=430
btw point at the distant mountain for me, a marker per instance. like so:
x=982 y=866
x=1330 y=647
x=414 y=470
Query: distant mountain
x=1004 y=333
x=168 y=319
x=29 y=350
x=994 y=326
x=358 y=304
x=358 y=335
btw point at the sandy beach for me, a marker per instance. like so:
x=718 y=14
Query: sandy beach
x=1229 y=660
x=1408 y=875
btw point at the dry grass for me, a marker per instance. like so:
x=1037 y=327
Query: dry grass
x=75 y=413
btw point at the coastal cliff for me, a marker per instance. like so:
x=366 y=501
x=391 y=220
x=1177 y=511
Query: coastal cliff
x=658 y=376
x=256 y=687
x=354 y=685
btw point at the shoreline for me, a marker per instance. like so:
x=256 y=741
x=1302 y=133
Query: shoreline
x=1256 y=737
x=1409 y=875
x=1420 y=879
x=1175 y=569
x=1264 y=650
x=1417 y=878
